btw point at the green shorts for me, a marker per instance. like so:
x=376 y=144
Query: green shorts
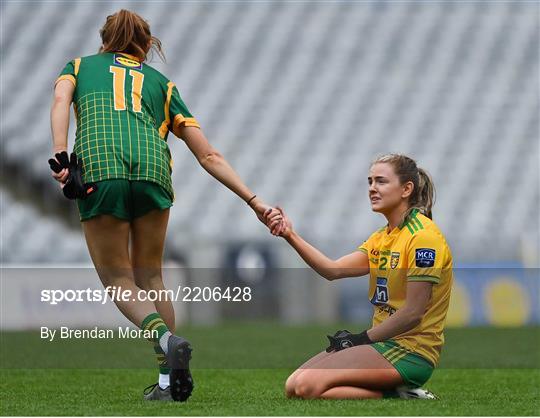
x=124 y=199
x=413 y=368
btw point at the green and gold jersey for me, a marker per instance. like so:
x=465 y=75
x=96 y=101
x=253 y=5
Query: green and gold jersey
x=124 y=110
x=414 y=251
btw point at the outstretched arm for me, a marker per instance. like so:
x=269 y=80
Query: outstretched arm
x=214 y=163
x=63 y=96
x=351 y=265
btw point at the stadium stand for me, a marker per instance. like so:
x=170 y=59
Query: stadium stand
x=300 y=97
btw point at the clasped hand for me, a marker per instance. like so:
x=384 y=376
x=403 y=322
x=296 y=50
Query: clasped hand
x=277 y=222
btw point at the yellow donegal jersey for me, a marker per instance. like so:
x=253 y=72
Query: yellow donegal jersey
x=414 y=251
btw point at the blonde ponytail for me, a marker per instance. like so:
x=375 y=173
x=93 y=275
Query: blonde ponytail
x=426 y=193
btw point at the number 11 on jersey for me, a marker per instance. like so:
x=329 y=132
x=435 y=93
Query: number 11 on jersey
x=119 y=80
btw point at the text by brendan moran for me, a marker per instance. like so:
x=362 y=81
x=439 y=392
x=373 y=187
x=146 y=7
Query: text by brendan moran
x=96 y=333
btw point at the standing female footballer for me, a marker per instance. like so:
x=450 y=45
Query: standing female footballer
x=125 y=110
x=410 y=269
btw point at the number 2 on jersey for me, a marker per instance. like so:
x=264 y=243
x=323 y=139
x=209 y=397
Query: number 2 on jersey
x=119 y=79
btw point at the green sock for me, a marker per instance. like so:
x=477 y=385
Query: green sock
x=160 y=356
x=160 y=332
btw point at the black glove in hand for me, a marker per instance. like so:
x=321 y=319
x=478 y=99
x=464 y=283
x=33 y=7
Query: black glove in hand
x=74 y=187
x=344 y=339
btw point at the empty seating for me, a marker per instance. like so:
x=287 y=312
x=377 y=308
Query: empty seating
x=300 y=97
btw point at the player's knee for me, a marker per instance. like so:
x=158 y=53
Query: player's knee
x=290 y=387
x=306 y=389
x=146 y=283
x=148 y=278
x=115 y=276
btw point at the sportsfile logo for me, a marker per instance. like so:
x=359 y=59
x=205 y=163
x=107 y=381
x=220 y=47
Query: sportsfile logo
x=117 y=294
x=425 y=257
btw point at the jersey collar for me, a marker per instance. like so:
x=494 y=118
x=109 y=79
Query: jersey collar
x=408 y=218
x=393 y=231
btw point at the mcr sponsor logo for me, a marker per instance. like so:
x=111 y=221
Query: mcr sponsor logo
x=425 y=257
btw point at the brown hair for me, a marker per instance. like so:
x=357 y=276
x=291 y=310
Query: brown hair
x=423 y=195
x=128 y=32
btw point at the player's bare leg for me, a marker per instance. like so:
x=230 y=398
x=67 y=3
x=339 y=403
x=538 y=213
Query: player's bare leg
x=107 y=238
x=108 y=242
x=290 y=384
x=147 y=245
x=355 y=373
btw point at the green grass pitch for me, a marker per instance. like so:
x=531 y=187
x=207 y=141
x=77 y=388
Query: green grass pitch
x=240 y=369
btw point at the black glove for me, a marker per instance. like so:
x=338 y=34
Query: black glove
x=74 y=187
x=344 y=339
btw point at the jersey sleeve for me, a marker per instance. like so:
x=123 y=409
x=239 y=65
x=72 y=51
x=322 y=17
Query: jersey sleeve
x=69 y=72
x=366 y=245
x=425 y=256
x=179 y=112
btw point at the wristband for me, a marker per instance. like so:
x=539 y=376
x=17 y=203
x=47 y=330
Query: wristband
x=250 y=199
